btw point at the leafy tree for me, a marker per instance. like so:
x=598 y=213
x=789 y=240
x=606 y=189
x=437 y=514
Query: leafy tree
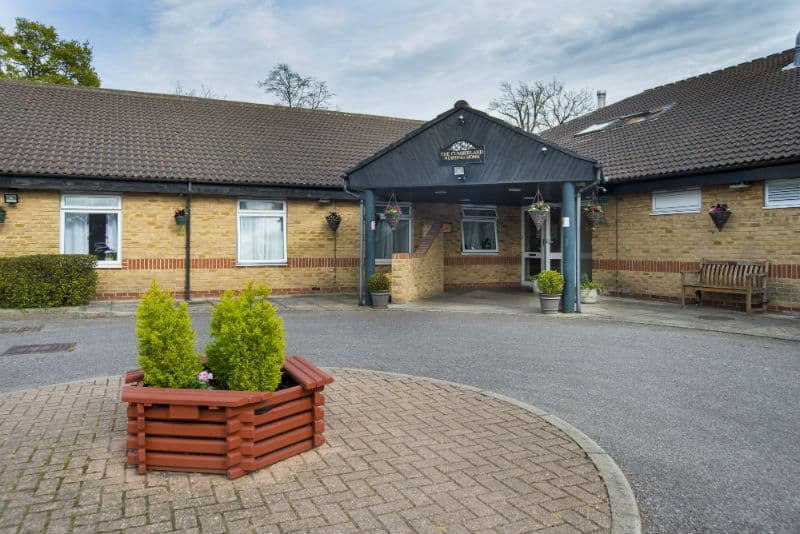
x=296 y=91
x=540 y=105
x=247 y=341
x=166 y=341
x=35 y=52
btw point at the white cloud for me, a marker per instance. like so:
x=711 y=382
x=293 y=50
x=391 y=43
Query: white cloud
x=416 y=58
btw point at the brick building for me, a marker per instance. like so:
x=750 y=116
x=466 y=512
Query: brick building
x=103 y=172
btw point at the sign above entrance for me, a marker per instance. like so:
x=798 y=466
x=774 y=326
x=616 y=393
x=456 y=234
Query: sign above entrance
x=462 y=152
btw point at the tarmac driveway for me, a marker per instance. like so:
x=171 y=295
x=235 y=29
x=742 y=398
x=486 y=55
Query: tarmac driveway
x=704 y=424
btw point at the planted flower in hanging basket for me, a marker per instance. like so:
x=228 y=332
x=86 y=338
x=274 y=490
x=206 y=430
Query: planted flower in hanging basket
x=719 y=214
x=334 y=219
x=180 y=216
x=593 y=213
x=392 y=214
x=539 y=212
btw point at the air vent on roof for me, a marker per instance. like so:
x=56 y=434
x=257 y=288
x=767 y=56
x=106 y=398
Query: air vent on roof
x=796 y=62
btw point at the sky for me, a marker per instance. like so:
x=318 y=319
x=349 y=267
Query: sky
x=413 y=59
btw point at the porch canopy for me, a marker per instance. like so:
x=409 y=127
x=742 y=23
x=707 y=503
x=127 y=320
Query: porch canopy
x=465 y=156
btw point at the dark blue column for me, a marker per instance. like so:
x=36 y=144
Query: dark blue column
x=369 y=238
x=568 y=246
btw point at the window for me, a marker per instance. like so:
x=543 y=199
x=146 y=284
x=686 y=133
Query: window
x=388 y=242
x=667 y=202
x=478 y=229
x=597 y=127
x=782 y=193
x=90 y=224
x=262 y=232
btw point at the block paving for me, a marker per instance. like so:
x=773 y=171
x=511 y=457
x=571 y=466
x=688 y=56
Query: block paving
x=403 y=455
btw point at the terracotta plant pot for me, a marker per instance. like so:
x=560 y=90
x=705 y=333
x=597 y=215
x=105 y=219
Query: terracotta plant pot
x=720 y=218
x=380 y=299
x=549 y=303
x=225 y=432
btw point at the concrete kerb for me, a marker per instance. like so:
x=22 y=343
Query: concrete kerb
x=625 y=516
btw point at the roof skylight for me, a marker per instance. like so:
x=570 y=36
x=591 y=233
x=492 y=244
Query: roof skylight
x=634 y=118
x=597 y=127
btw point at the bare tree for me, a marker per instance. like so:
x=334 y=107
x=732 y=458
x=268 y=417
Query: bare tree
x=524 y=105
x=204 y=91
x=540 y=105
x=566 y=104
x=295 y=91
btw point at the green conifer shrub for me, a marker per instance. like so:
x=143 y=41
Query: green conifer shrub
x=247 y=341
x=166 y=341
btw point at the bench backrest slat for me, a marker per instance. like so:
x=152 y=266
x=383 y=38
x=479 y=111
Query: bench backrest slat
x=731 y=273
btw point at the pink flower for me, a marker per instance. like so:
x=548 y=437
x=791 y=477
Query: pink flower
x=205 y=376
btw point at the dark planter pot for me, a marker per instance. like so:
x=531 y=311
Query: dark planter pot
x=720 y=218
x=538 y=217
x=180 y=220
x=380 y=299
x=333 y=223
x=594 y=218
x=225 y=432
x=392 y=219
x=549 y=303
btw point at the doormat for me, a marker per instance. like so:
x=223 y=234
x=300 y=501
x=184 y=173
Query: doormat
x=40 y=349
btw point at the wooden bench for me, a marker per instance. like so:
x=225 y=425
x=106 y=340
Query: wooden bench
x=738 y=277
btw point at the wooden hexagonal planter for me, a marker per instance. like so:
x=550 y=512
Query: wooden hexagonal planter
x=225 y=432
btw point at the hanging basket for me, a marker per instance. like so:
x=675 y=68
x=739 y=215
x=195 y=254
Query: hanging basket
x=334 y=219
x=539 y=217
x=720 y=218
x=392 y=212
x=180 y=220
x=594 y=218
x=392 y=219
x=2 y=214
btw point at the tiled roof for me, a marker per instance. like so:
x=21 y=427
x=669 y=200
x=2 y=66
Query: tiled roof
x=742 y=116
x=53 y=130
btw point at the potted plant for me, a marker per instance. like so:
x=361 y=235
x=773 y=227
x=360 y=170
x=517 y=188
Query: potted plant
x=539 y=212
x=392 y=214
x=551 y=284
x=589 y=290
x=111 y=255
x=378 y=285
x=719 y=214
x=2 y=214
x=593 y=212
x=180 y=216
x=334 y=219
x=242 y=408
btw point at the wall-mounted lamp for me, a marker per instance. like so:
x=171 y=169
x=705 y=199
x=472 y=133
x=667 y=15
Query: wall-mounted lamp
x=544 y=149
x=461 y=119
x=323 y=201
x=460 y=173
x=11 y=198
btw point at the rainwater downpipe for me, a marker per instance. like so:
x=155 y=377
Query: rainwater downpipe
x=187 y=289
x=360 y=242
x=578 y=213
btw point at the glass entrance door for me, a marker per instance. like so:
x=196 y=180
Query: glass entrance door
x=541 y=250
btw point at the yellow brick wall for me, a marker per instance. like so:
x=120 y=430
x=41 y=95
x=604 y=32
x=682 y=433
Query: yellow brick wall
x=475 y=270
x=419 y=275
x=752 y=232
x=149 y=234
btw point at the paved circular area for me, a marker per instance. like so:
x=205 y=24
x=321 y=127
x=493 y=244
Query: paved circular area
x=402 y=455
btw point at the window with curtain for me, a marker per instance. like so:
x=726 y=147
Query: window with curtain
x=388 y=242
x=478 y=229
x=90 y=224
x=262 y=231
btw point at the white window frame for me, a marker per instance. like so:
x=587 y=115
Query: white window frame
x=781 y=203
x=687 y=208
x=469 y=218
x=261 y=213
x=379 y=207
x=104 y=264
